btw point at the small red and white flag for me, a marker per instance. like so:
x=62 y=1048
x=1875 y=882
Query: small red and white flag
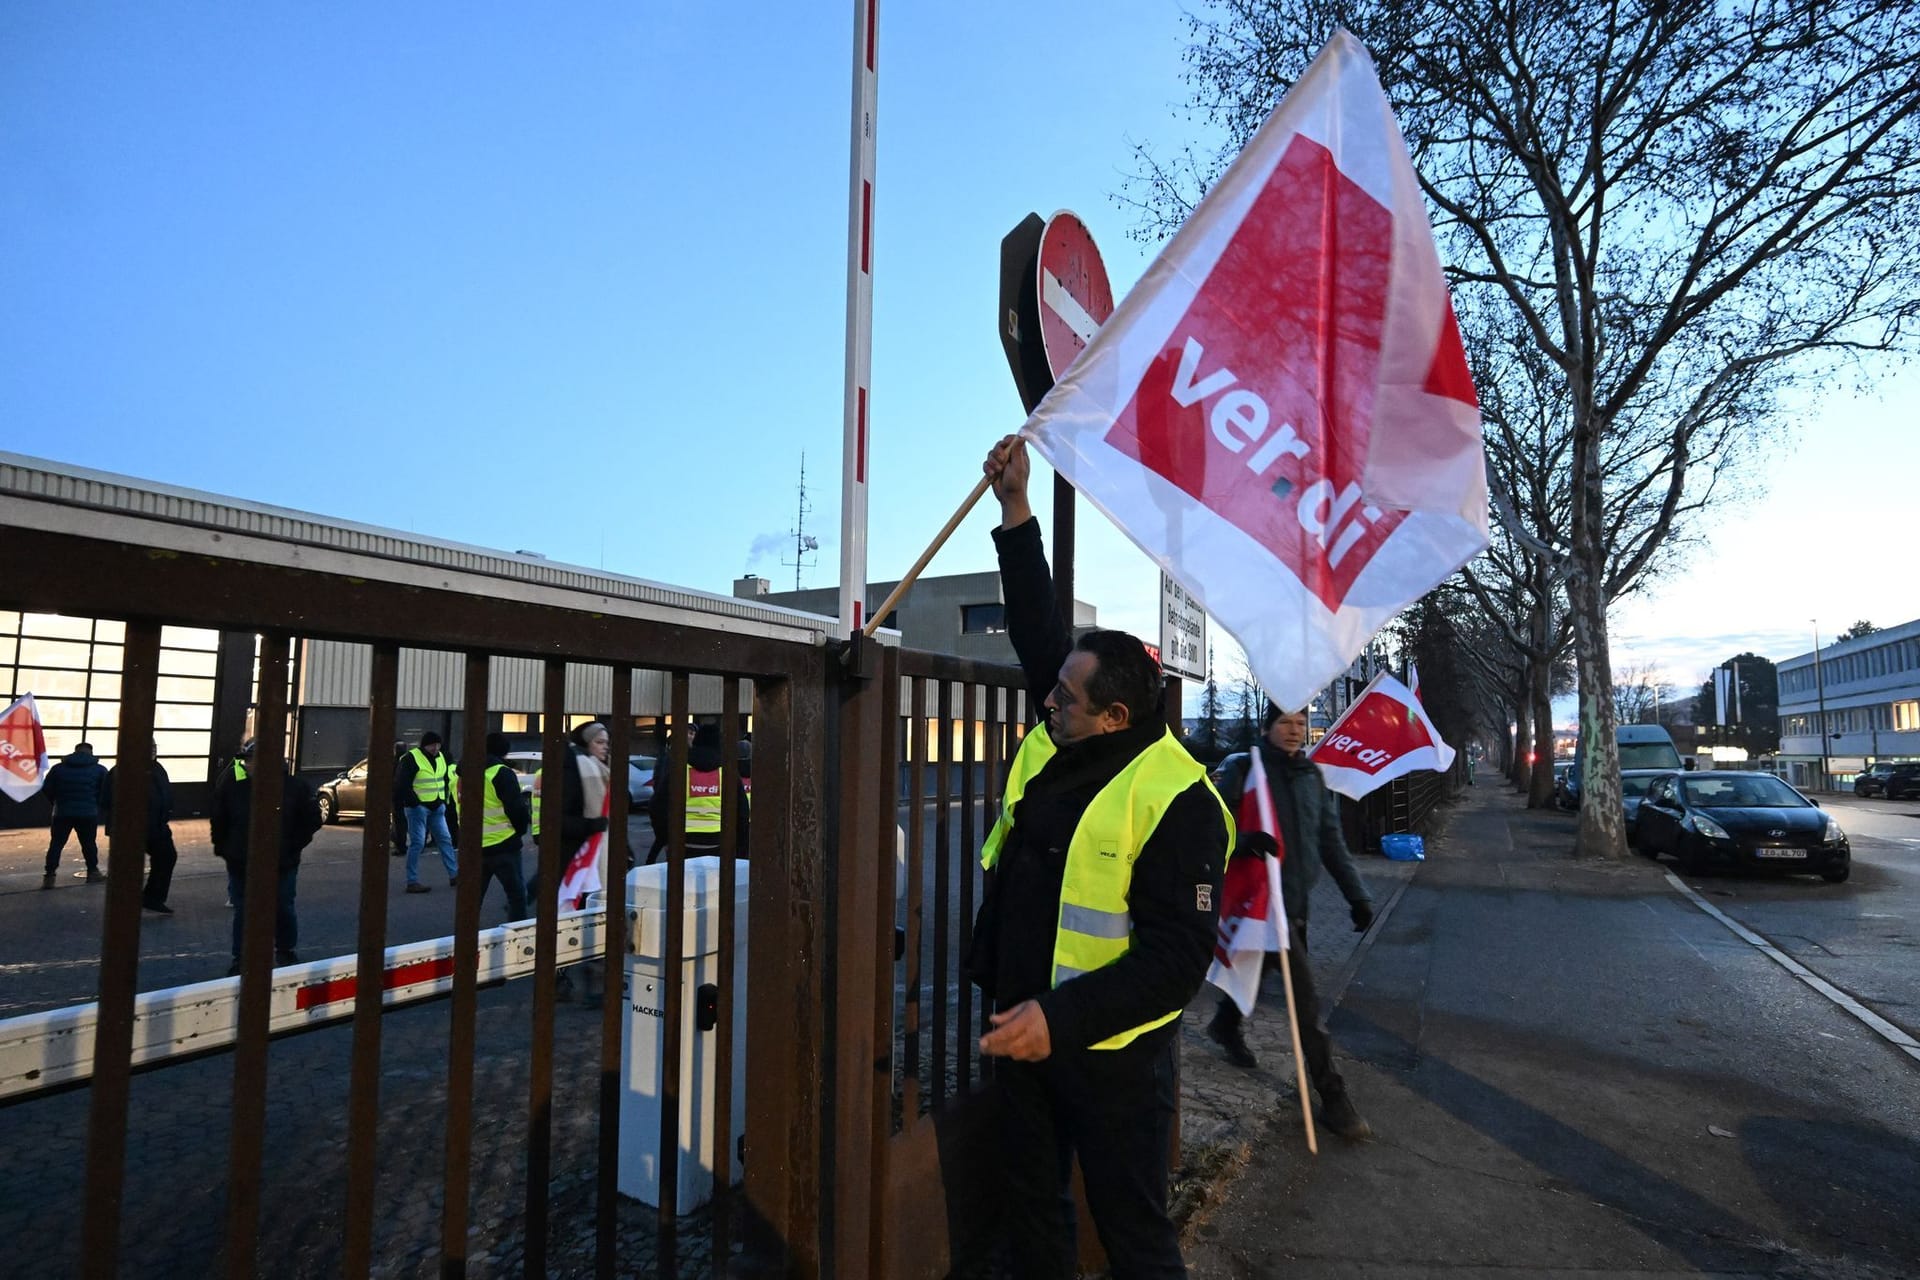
x=1384 y=735
x=1280 y=413
x=1253 y=916
x=23 y=750
x=582 y=876
x=1413 y=680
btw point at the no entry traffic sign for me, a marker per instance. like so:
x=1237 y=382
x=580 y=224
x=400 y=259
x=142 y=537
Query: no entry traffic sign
x=1075 y=298
x=1054 y=296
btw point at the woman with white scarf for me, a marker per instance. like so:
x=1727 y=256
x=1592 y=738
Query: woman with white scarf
x=583 y=837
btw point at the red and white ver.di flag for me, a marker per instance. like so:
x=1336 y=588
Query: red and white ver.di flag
x=1384 y=735
x=23 y=750
x=582 y=876
x=1253 y=916
x=1280 y=413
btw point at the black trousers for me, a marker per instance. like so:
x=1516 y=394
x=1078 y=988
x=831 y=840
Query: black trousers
x=502 y=863
x=88 y=829
x=1115 y=1108
x=1315 y=1043
x=162 y=854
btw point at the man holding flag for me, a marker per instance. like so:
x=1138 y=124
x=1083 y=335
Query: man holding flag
x=1307 y=818
x=1097 y=925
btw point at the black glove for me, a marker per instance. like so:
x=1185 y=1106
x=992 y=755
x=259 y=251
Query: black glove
x=1362 y=916
x=1255 y=844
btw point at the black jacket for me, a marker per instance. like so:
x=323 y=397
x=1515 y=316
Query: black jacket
x=74 y=786
x=233 y=812
x=159 y=798
x=1309 y=817
x=1176 y=877
x=575 y=823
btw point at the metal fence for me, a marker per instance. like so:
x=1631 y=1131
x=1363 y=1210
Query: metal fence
x=827 y=1189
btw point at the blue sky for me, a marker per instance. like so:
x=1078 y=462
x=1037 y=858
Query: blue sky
x=572 y=279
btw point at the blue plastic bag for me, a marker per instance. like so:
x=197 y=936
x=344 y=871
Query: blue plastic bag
x=1404 y=848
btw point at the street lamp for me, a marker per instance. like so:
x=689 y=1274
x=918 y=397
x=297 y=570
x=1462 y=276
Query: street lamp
x=1820 y=684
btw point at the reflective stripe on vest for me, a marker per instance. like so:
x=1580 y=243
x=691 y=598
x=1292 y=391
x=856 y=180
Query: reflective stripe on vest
x=430 y=783
x=703 y=801
x=1095 y=927
x=495 y=826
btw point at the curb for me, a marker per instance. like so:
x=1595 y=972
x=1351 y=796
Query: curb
x=1338 y=987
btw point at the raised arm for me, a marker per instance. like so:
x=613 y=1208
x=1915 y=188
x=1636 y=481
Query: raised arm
x=1041 y=638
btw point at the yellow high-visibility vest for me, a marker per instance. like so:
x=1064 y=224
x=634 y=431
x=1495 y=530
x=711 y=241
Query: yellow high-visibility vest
x=430 y=782
x=1095 y=928
x=704 y=789
x=495 y=826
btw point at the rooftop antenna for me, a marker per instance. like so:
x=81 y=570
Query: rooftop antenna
x=806 y=547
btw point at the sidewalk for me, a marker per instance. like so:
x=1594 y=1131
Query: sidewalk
x=1573 y=1072
x=1223 y=1108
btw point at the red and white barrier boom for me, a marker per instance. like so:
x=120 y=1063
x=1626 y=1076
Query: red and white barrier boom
x=40 y=1051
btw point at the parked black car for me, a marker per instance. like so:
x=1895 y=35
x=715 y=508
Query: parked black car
x=345 y=796
x=1634 y=785
x=1894 y=781
x=1726 y=818
x=1563 y=785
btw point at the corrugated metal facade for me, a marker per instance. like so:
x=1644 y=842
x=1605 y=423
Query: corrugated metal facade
x=97 y=504
x=336 y=674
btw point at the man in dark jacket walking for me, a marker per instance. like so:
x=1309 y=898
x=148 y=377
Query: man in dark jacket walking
x=504 y=820
x=160 y=848
x=1097 y=927
x=1309 y=818
x=231 y=820
x=74 y=787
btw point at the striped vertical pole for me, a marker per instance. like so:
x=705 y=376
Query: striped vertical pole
x=853 y=468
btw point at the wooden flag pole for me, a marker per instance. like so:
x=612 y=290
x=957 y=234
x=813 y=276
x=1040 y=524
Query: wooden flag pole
x=939 y=540
x=1299 y=1058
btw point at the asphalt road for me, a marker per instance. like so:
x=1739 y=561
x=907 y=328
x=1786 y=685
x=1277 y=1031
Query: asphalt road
x=1863 y=936
x=1574 y=1071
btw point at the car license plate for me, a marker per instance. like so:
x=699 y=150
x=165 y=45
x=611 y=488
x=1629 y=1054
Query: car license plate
x=1779 y=853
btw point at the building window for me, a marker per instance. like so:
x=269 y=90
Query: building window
x=983 y=619
x=1906 y=715
x=72 y=667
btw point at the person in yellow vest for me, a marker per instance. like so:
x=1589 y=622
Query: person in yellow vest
x=1097 y=927
x=420 y=788
x=504 y=819
x=706 y=790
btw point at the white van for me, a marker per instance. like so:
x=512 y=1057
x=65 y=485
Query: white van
x=1642 y=746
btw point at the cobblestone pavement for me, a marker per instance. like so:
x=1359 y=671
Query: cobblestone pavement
x=178 y=1121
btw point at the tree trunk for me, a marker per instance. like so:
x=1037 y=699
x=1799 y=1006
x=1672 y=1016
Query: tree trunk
x=1540 y=782
x=1540 y=688
x=1518 y=767
x=1603 y=830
